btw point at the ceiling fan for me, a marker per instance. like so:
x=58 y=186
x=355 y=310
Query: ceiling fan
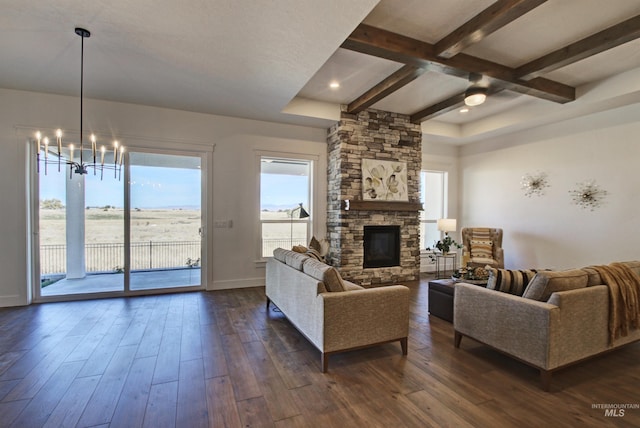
x=477 y=91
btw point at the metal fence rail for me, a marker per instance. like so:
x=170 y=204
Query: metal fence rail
x=144 y=255
x=110 y=257
x=268 y=245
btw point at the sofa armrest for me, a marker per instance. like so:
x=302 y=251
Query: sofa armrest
x=583 y=329
x=364 y=317
x=520 y=327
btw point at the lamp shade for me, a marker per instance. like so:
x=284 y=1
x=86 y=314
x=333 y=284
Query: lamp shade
x=447 y=224
x=302 y=213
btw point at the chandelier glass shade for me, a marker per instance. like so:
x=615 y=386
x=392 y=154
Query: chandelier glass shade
x=81 y=158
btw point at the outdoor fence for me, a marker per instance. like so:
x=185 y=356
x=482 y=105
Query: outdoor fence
x=268 y=245
x=144 y=255
x=110 y=257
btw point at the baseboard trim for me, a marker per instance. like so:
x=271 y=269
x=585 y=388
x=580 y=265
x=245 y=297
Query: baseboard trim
x=13 y=300
x=236 y=283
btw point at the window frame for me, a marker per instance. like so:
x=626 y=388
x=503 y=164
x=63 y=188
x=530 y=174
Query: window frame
x=310 y=221
x=444 y=201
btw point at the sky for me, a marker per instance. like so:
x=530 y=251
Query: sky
x=152 y=187
x=279 y=191
x=157 y=187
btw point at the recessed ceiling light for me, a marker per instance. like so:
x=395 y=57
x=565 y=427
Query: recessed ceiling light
x=464 y=110
x=334 y=85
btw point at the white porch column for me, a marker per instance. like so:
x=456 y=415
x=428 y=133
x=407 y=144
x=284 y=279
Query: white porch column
x=75 y=227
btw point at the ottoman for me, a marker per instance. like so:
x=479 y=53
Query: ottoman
x=441 y=298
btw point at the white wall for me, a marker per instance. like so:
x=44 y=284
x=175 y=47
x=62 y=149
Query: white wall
x=550 y=231
x=234 y=186
x=442 y=157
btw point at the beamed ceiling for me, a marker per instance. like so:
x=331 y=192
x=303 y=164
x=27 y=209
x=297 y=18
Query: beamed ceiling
x=541 y=61
x=527 y=52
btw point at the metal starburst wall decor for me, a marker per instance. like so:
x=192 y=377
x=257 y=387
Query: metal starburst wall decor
x=588 y=195
x=534 y=184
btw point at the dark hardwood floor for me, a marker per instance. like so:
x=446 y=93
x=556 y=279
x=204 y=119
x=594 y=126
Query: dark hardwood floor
x=219 y=359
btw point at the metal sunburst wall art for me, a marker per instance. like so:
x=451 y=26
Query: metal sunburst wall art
x=534 y=184
x=588 y=195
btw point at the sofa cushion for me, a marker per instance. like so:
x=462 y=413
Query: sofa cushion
x=295 y=260
x=546 y=283
x=325 y=273
x=634 y=265
x=509 y=281
x=280 y=254
x=593 y=277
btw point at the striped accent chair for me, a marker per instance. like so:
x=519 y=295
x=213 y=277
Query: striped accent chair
x=484 y=246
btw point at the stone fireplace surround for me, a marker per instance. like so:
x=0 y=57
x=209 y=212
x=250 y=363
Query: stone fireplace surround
x=380 y=135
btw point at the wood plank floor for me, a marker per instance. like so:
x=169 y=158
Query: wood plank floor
x=219 y=359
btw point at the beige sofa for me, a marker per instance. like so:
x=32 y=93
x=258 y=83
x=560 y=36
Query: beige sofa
x=564 y=320
x=335 y=321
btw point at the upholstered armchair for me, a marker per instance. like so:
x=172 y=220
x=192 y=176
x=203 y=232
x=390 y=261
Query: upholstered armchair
x=483 y=246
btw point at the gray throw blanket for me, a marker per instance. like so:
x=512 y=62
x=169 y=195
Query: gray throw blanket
x=624 y=298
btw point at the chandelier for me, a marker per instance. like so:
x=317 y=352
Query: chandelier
x=80 y=164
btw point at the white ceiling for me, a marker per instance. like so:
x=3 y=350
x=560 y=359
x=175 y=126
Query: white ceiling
x=256 y=59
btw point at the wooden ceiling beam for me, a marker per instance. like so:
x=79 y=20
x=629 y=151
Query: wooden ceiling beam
x=606 y=39
x=397 y=80
x=437 y=109
x=395 y=47
x=496 y=16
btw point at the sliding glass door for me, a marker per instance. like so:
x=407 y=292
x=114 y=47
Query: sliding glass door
x=165 y=221
x=133 y=233
x=81 y=233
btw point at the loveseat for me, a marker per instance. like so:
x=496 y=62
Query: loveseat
x=335 y=315
x=561 y=317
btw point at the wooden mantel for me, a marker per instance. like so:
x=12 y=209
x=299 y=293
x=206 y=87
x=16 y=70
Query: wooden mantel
x=359 y=205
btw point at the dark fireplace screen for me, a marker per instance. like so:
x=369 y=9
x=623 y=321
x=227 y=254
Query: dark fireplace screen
x=381 y=246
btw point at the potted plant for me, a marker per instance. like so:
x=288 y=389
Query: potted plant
x=445 y=245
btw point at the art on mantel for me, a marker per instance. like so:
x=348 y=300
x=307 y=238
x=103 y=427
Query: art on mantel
x=384 y=180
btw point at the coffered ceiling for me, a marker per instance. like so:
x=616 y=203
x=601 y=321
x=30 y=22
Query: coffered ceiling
x=533 y=54
x=274 y=60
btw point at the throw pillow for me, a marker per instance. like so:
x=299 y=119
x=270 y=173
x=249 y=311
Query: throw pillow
x=314 y=254
x=482 y=249
x=315 y=244
x=299 y=249
x=333 y=281
x=509 y=281
x=545 y=283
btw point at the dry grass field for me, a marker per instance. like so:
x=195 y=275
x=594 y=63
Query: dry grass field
x=108 y=226
x=148 y=227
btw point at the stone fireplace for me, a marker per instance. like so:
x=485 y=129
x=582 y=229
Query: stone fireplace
x=379 y=135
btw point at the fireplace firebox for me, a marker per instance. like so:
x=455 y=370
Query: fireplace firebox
x=381 y=246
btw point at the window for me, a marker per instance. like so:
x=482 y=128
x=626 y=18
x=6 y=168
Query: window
x=433 y=198
x=285 y=194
